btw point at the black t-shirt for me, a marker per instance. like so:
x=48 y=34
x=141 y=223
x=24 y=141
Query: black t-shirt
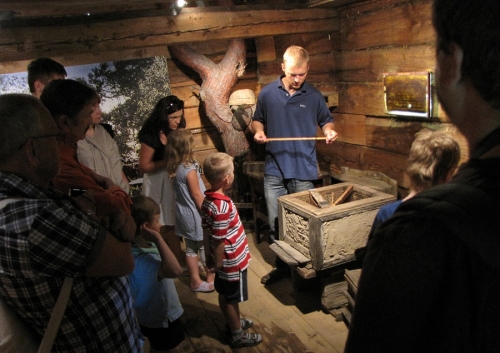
x=153 y=141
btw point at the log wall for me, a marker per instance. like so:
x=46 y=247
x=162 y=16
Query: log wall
x=350 y=46
x=374 y=37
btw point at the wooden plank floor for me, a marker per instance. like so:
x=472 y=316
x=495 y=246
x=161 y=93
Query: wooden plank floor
x=289 y=320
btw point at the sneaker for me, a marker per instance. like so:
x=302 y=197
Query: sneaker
x=246 y=340
x=245 y=325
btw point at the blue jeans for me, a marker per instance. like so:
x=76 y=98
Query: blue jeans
x=275 y=187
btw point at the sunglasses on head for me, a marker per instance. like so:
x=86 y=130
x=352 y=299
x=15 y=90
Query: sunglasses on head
x=174 y=106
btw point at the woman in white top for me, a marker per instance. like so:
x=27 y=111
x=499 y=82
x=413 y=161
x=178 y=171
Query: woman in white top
x=99 y=151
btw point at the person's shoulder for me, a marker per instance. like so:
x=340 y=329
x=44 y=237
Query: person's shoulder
x=312 y=91
x=271 y=86
x=108 y=128
x=441 y=207
x=186 y=167
x=390 y=207
x=149 y=138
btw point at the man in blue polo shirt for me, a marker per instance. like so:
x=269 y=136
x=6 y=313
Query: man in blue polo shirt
x=289 y=107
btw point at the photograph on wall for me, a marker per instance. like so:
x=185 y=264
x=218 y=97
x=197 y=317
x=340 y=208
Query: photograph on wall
x=128 y=89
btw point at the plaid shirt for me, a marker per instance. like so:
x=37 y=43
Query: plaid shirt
x=44 y=238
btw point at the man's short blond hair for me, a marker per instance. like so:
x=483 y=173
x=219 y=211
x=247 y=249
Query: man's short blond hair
x=296 y=56
x=216 y=166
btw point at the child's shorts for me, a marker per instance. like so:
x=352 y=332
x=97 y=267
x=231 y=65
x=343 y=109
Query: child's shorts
x=164 y=338
x=193 y=247
x=233 y=291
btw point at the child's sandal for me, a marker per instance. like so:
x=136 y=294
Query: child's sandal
x=246 y=340
x=204 y=287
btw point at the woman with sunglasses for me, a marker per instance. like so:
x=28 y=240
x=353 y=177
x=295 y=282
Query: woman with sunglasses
x=167 y=115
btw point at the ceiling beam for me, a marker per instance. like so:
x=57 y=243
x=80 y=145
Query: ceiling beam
x=130 y=34
x=329 y=3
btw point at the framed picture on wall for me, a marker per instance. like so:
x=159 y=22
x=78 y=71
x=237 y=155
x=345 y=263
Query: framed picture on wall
x=128 y=89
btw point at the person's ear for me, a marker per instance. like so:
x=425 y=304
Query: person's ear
x=283 y=67
x=39 y=86
x=31 y=152
x=449 y=65
x=64 y=122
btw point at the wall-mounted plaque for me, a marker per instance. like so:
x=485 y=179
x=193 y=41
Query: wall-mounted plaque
x=410 y=94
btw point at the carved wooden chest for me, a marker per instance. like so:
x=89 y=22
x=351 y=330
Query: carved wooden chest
x=329 y=235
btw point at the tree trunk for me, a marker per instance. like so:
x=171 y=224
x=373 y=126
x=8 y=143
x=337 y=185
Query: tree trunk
x=218 y=81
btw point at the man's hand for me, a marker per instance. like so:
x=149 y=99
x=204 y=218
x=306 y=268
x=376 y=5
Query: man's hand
x=258 y=128
x=331 y=136
x=260 y=137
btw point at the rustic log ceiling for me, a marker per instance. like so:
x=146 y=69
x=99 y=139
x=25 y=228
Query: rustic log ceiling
x=81 y=30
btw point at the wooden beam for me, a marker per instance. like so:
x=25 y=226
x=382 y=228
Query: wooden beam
x=57 y=8
x=25 y=43
x=36 y=9
x=329 y=3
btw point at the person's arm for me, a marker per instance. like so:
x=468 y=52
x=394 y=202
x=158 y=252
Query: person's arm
x=194 y=188
x=146 y=163
x=124 y=177
x=210 y=264
x=115 y=258
x=102 y=181
x=218 y=250
x=79 y=176
x=170 y=267
x=329 y=132
x=258 y=129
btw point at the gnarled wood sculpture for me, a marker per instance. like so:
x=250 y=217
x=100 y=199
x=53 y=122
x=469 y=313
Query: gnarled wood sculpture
x=218 y=81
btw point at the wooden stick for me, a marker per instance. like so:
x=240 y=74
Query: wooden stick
x=294 y=138
x=344 y=196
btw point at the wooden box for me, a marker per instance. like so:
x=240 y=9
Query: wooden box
x=329 y=235
x=375 y=180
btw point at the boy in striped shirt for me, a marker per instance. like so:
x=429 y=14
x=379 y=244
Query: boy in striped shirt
x=229 y=256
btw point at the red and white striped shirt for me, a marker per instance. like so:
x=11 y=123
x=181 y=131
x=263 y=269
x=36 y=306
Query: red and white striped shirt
x=221 y=218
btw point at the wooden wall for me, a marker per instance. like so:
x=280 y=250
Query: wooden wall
x=374 y=37
x=377 y=37
x=361 y=41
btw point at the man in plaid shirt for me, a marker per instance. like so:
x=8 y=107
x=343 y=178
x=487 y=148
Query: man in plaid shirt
x=46 y=237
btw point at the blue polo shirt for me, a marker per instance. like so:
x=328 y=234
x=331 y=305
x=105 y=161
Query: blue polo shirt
x=298 y=115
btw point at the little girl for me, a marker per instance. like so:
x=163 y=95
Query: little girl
x=186 y=180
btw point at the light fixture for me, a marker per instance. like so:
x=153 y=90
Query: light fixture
x=176 y=6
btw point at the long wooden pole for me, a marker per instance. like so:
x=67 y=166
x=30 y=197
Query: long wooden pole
x=294 y=138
